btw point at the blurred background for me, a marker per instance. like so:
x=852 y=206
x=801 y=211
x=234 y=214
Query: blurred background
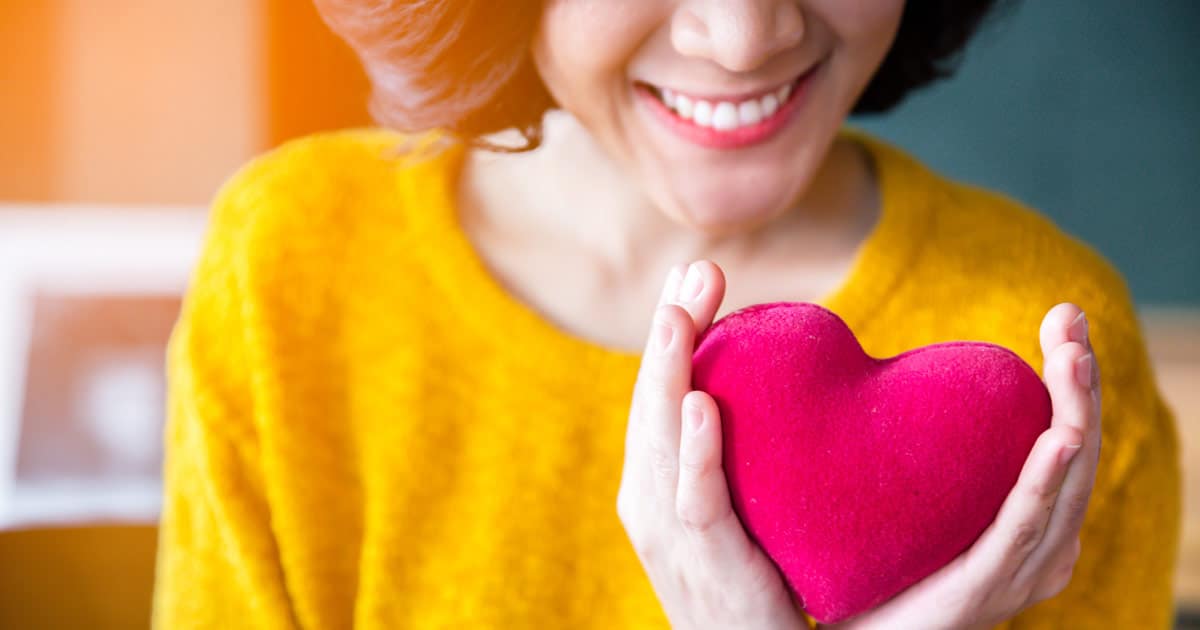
x=119 y=119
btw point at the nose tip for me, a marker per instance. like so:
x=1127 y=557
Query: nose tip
x=739 y=36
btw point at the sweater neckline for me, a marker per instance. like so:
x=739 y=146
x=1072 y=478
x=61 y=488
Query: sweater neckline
x=468 y=283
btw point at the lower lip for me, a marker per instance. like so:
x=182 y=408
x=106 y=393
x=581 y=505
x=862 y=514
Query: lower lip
x=734 y=138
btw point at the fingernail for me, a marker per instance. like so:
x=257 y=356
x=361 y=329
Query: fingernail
x=1068 y=452
x=670 y=286
x=1078 y=330
x=1085 y=367
x=663 y=334
x=692 y=284
x=694 y=416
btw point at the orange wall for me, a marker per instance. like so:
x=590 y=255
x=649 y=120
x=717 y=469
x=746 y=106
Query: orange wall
x=315 y=81
x=28 y=138
x=158 y=101
x=128 y=101
x=159 y=98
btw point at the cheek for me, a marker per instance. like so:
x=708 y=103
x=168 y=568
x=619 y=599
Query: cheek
x=582 y=48
x=860 y=34
x=865 y=27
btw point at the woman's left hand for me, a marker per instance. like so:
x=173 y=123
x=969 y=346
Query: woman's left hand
x=1029 y=551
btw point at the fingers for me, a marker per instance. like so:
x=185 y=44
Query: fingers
x=1072 y=377
x=670 y=290
x=1067 y=369
x=1070 y=367
x=664 y=378
x=689 y=298
x=1021 y=523
x=1061 y=324
x=702 y=499
x=674 y=499
x=701 y=292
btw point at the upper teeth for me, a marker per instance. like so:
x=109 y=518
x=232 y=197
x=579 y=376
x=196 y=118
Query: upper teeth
x=724 y=115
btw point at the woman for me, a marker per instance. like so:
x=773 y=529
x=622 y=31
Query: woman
x=450 y=389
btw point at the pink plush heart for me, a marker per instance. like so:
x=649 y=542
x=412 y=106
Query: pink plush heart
x=861 y=476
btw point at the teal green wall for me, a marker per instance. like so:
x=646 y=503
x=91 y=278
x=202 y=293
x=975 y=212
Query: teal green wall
x=1090 y=112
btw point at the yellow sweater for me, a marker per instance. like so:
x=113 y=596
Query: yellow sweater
x=366 y=429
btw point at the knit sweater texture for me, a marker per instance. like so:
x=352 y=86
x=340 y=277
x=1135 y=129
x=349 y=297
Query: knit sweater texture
x=366 y=429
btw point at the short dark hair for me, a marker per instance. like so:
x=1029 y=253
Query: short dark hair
x=464 y=67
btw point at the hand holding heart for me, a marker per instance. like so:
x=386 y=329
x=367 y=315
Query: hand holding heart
x=708 y=571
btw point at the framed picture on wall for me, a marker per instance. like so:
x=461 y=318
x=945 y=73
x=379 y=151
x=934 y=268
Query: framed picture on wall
x=88 y=298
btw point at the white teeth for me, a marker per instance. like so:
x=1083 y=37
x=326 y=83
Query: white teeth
x=725 y=117
x=749 y=113
x=769 y=104
x=702 y=114
x=683 y=106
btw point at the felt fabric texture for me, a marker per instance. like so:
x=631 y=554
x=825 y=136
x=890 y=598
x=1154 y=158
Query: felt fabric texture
x=859 y=476
x=368 y=429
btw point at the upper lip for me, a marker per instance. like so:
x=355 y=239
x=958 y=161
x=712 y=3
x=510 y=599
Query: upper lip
x=744 y=95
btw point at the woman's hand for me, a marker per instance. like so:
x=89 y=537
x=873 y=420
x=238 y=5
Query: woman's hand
x=674 y=500
x=1028 y=553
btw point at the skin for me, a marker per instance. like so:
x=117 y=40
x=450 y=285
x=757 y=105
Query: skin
x=783 y=219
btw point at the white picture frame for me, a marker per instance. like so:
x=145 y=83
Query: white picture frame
x=79 y=250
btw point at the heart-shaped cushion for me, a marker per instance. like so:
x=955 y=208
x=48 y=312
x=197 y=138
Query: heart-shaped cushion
x=860 y=476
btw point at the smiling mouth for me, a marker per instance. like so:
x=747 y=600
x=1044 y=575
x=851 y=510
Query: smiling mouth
x=726 y=114
x=728 y=122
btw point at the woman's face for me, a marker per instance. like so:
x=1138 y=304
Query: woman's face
x=723 y=109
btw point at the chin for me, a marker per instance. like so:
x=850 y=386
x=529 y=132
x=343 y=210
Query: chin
x=722 y=210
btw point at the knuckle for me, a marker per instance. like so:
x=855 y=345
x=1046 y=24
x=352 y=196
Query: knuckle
x=695 y=466
x=691 y=514
x=1025 y=536
x=696 y=514
x=663 y=461
x=1044 y=490
x=1077 y=510
x=1077 y=504
x=651 y=385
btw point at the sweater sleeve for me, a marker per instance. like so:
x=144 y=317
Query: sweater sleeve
x=1131 y=532
x=218 y=561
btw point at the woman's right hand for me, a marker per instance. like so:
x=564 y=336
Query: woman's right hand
x=674 y=499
